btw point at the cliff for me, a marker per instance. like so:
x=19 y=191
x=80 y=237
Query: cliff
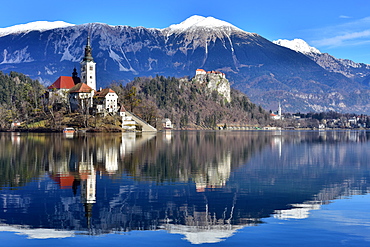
x=214 y=81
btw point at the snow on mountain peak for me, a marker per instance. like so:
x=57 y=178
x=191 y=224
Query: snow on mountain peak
x=33 y=26
x=200 y=21
x=297 y=45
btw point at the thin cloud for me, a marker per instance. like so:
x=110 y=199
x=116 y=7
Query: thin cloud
x=361 y=23
x=345 y=17
x=346 y=34
x=343 y=39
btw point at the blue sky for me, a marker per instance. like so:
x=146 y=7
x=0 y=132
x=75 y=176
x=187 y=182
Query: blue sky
x=338 y=27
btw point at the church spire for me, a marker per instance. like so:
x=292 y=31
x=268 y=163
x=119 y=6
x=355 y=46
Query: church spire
x=88 y=55
x=88 y=75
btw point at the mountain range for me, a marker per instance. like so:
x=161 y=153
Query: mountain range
x=298 y=76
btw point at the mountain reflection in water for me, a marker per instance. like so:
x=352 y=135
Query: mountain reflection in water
x=204 y=185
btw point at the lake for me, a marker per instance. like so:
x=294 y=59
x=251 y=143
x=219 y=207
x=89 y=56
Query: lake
x=180 y=188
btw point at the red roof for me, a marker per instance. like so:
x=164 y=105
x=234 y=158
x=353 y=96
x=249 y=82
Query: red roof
x=201 y=70
x=122 y=109
x=104 y=92
x=81 y=88
x=63 y=82
x=215 y=72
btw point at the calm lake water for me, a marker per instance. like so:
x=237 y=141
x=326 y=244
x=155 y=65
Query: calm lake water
x=219 y=188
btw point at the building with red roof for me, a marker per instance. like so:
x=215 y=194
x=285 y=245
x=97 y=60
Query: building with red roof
x=58 y=90
x=106 y=100
x=81 y=96
x=200 y=72
x=81 y=88
x=203 y=72
x=63 y=82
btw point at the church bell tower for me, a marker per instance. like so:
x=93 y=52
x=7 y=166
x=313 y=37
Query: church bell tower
x=88 y=74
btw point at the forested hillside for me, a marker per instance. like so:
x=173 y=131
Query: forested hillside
x=188 y=104
x=20 y=99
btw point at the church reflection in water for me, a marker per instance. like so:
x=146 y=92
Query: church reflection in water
x=204 y=185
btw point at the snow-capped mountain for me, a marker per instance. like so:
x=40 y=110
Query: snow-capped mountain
x=195 y=22
x=268 y=73
x=33 y=26
x=345 y=67
x=297 y=45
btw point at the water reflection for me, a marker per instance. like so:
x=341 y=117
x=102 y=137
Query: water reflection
x=204 y=185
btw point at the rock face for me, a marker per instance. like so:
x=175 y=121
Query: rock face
x=214 y=81
x=268 y=73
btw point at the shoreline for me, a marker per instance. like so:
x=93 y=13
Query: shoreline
x=47 y=130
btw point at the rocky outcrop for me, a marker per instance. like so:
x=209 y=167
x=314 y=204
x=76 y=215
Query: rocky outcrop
x=214 y=81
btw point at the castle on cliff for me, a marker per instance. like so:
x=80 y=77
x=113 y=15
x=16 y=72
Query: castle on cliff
x=214 y=81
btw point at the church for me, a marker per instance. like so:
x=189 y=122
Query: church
x=277 y=115
x=81 y=92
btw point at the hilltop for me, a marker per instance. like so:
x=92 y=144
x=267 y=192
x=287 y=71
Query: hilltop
x=197 y=103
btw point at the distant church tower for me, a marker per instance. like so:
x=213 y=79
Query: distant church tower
x=88 y=75
x=279 y=110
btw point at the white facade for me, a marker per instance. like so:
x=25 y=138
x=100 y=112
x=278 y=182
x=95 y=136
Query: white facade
x=200 y=72
x=81 y=100
x=111 y=102
x=127 y=122
x=166 y=123
x=88 y=74
x=106 y=101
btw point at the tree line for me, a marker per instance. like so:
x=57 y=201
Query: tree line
x=185 y=103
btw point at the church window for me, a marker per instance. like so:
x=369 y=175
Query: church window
x=91 y=68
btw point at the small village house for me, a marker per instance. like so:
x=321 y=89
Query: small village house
x=166 y=124
x=105 y=100
x=81 y=96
